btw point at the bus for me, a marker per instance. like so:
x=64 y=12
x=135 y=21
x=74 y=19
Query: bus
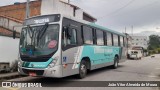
x=58 y=46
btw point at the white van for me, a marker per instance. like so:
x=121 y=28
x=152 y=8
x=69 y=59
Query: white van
x=135 y=54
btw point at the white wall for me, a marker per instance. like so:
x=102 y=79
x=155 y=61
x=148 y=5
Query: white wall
x=8 y=49
x=140 y=41
x=57 y=7
x=9 y=24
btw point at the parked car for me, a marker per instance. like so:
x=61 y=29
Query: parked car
x=135 y=54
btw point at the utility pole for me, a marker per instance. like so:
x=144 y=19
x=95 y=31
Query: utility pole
x=69 y=1
x=125 y=30
x=27 y=9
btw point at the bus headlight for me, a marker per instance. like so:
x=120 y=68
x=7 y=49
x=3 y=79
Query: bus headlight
x=53 y=63
x=19 y=63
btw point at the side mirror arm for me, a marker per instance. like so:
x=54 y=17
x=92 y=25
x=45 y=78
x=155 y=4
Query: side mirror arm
x=14 y=34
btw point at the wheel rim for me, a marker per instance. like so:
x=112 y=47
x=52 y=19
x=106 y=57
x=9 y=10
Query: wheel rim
x=116 y=62
x=83 y=70
x=116 y=65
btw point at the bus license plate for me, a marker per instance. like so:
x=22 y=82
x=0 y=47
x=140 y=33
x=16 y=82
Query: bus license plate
x=32 y=74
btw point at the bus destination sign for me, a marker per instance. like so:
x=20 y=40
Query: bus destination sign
x=42 y=19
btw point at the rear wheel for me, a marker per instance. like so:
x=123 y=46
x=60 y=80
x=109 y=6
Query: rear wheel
x=82 y=70
x=115 y=65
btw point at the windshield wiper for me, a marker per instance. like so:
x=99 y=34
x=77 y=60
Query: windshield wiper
x=30 y=30
x=31 y=33
x=41 y=32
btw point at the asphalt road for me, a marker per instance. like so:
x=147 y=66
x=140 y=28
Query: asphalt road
x=147 y=69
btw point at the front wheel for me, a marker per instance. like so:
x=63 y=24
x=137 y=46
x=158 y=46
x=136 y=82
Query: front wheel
x=115 y=65
x=82 y=70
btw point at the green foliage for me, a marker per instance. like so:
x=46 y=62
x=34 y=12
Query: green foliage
x=145 y=50
x=154 y=42
x=158 y=50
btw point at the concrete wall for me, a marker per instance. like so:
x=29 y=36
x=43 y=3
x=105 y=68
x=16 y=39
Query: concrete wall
x=140 y=41
x=10 y=24
x=8 y=49
x=55 y=6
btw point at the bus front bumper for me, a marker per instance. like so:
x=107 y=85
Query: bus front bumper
x=56 y=71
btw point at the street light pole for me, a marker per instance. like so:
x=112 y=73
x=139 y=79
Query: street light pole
x=27 y=9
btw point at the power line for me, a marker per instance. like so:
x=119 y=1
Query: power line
x=118 y=9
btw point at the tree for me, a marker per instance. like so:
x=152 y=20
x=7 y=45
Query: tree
x=154 y=42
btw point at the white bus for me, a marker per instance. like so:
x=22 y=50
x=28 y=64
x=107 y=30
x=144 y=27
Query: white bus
x=60 y=46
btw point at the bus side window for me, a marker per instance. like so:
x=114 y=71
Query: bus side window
x=69 y=39
x=73 y=39
x=125 y=42
x=87 y=35
x=121 y=41
x=109 y=39
x=115 y=40
x=100 y=37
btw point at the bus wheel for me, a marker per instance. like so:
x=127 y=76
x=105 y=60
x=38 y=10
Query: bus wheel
x=82 y=70
x=115 y=65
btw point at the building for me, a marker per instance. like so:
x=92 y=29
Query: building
x=12 y=17
x=62 y=7
x=140 y=41
x=41 y=7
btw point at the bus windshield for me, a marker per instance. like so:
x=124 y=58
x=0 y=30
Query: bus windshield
x=39 y=40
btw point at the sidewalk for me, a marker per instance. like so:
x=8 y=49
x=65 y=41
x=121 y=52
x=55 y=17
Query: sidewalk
x=9 y=75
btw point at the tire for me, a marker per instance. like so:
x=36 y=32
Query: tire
x=115 y=65
x=82 y=70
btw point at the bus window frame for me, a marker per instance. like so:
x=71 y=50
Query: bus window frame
x=115 y=35
x=102 y=37
x=83 y=39
x=69 y=45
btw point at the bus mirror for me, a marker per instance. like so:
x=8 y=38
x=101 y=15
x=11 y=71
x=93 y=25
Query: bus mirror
x=14 y=34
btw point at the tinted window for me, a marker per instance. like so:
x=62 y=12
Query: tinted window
x=72 y=40
x=115 y=40
x=125 y=42
x=87 y=35
x=100 y=39
x=121 y=41
x=109 y=39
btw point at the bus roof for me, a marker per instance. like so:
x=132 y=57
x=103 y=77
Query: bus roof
x=29 y=20
x=104 y=28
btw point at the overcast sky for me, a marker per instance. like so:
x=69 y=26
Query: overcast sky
x=143 y=15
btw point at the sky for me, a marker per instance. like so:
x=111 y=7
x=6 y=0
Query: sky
x=142 y=15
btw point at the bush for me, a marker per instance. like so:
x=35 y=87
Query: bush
x=145 y=50
x=158 y=50
x=151 y=52
x=154 y=52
